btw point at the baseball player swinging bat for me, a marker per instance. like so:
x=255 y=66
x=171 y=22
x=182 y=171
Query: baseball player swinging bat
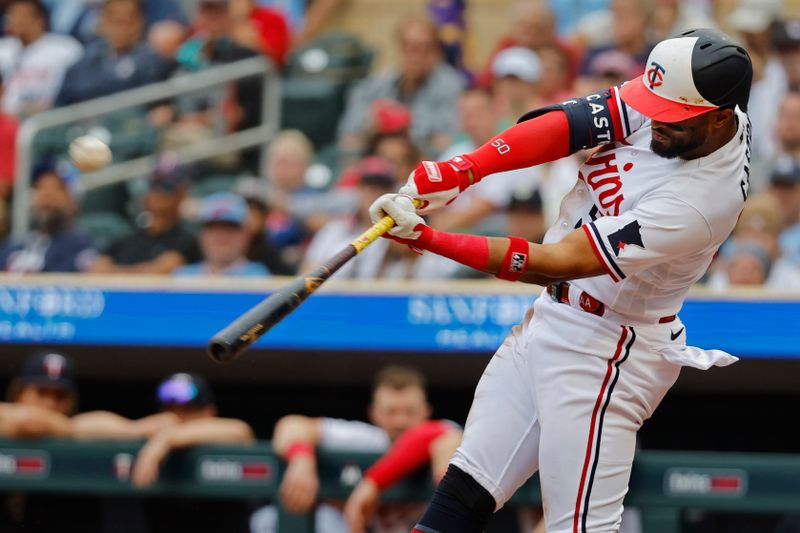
x=229 y=343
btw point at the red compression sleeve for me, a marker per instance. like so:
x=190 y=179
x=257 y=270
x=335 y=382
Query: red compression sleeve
x=409 y=452
x=469 y=250
x=533 y=142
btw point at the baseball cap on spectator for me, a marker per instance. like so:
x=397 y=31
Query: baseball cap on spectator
x=753 y=16
x=519 y=62
x=224 y=207
x=50 y=369
x=170 y=175
x=613 y=63
x=184 y=389
x=786 y=171
x=390 y=116
x=375 y=171
x=786 y=35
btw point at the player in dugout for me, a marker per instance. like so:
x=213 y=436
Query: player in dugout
x=567 y=392
x=188 y=417
x=399 y=413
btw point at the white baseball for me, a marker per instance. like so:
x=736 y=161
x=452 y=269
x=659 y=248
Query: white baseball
x=89 y=153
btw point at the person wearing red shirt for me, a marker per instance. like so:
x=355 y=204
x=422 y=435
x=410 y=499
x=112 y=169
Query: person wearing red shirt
x=262 y=28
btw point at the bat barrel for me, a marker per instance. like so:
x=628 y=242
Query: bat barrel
x=229 y=343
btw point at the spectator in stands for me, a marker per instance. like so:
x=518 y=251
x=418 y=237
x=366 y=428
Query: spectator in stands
x=785 y=188
x=398 y=149
x=753 y=20
x=261 y=28
x=630 y=20
x=8 y=157
x=80 y=18
x=163 y=244
x=532 y=26
x=306 y=18
x=747 y=263
x=787 y=127
x=32 y=61
x=213 y=44
x=165 y=39
x=295 y=209
x=786 y=40
x=120 y=59
x=449 y=16
x=671 y=17
x=383 y=258
x=422 y=81
x=515 y=75
x=556 y=80
x=52 y=245
x=260 y=249
x=398 y=404
x=224 y=239
x=606 y=69
x=480 y=122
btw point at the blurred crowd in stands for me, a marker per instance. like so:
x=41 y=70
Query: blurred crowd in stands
x=348 y=133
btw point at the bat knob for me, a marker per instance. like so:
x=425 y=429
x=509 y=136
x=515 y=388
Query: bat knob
x=222 y=352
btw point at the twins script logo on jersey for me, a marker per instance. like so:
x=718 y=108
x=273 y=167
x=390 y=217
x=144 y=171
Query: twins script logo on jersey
x=655 y=75
x=605 y=179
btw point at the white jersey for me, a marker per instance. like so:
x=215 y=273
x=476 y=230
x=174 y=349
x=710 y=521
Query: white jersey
x=654 y=223
x=32 y=75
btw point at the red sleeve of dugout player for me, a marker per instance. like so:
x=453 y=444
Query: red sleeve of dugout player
x=409 y=452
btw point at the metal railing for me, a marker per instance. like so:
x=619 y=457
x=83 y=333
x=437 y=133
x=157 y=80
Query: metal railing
x=663 y=483
x=177 y=86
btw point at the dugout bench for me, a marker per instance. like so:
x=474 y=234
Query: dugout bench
x=663 y=484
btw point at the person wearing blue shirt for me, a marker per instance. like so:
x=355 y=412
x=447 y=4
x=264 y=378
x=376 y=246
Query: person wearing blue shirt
x=117 y=61
x=52 y=245
x=224 y=240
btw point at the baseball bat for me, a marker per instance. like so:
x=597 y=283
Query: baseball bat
x=229 y=343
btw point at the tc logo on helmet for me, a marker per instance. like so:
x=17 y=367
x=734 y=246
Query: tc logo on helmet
x=655 y=75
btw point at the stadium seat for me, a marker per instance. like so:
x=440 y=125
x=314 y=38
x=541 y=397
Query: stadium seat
x=313 y=106
x=336 y=56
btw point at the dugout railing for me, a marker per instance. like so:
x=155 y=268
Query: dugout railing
x=663 y=484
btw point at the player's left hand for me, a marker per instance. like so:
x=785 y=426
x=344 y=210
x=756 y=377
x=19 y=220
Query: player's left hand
x=149 y=459
x=408 y=224
x=362 y=505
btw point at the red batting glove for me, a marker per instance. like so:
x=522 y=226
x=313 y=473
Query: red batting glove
x=437 y=184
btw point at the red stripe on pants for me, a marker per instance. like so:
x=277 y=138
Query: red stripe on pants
x=589 y=446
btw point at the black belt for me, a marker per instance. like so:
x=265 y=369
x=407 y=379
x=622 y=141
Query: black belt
x=560 y=293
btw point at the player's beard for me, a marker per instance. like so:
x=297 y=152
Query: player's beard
x=674 y=148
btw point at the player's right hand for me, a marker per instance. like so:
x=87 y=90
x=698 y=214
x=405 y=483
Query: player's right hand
x=300 y=485
x=437 y=184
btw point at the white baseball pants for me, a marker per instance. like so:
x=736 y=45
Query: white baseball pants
x=565 y=395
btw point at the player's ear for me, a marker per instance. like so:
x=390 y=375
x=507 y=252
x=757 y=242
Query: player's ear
x=722 y=116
